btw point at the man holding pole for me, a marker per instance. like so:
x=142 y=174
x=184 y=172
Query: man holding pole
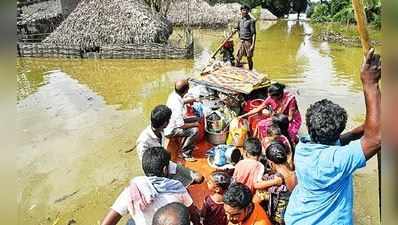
x=326 y=159
x=247 y=35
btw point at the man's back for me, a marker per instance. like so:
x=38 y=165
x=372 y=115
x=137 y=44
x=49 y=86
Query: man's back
x=145 y=216
x=324 y=193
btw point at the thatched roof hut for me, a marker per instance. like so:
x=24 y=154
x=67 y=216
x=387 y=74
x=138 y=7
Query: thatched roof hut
x=39 y=11
x=200 y=13
x=96 y=23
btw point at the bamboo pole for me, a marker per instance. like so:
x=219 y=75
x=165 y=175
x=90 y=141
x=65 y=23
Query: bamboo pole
x=360 y=17
x=222 y=44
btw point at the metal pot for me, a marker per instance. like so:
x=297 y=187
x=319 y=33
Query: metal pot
x=216 y=138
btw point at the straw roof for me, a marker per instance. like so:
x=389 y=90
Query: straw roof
x=39 y=11
x=96 y=23
x=200 y=13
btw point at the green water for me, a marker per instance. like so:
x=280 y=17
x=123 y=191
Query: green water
x=76 y=118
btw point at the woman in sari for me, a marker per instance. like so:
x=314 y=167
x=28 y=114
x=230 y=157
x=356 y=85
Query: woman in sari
x=280 y=101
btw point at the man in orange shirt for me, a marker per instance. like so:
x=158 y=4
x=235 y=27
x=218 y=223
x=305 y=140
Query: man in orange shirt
x=240 y=209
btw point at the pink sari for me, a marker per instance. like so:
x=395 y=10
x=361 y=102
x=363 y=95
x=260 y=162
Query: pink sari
x=288 y=102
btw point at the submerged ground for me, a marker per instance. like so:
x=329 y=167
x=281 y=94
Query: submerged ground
x=77 y=118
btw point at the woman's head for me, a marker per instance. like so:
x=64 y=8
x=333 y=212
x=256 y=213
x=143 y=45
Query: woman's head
x=276 y=90
x=325 y=122
x=276 y=153
x=219 y=182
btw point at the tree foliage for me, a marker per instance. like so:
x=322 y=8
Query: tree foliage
x=341 y=11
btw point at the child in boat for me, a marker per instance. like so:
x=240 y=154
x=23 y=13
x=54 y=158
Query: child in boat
x=276 y=186
x=250 y=170
x=213 y=206
x=274 y=134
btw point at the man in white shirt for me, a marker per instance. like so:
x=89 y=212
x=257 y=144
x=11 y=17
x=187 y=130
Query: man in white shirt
x=187 y=128
x=146 y=194
x=152 y=136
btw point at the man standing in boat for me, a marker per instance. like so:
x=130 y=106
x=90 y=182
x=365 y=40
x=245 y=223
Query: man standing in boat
x=247 y=35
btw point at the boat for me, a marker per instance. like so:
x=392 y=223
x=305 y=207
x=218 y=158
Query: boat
x=229 y=81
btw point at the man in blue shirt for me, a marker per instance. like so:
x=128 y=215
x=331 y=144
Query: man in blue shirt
x=326 y=160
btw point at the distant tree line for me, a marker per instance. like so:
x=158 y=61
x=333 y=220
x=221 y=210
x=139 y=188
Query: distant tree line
x=279 y=8
x=341 y=11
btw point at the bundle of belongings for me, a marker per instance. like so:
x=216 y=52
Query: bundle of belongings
x=234 y=79
x=223 y=156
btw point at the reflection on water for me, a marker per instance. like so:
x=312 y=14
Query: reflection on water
x=76 y=118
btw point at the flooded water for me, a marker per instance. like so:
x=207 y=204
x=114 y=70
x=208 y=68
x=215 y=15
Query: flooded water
x=77 y=118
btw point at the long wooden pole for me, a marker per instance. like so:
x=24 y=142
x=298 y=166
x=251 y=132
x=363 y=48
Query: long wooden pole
x=218 y=49
x=360 y=17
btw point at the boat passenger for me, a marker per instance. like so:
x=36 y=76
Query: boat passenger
x=281 y=101
x=146 y=194
x=186 y=128
x=240 y=209
x=326 y=160
x=274 y=134
x=246 y=29
x=172 y=214
x=213 y=207
x=278 y=184
x=250 y=170
x=152 y=136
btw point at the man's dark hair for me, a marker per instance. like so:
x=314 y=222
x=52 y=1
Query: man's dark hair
x=253 y=146
x=282 y=121
x=154 y=160
x=276 y=89
x=277 y=153
x=172 y=214
x=221 y=179
x=238 y=195
x=160 y=115
x=325 y=122
x=245 y=7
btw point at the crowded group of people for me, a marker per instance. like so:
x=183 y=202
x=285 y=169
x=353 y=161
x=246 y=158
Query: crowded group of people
x=281 y=179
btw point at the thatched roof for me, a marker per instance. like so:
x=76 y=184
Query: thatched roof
x=39 y=11
x=96 y=23
x=200 y=13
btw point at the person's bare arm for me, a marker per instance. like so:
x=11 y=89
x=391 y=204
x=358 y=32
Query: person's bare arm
x=370 y=77
x=264 y=184
x=112 y=218
x=352 y=135
x=253 y=111
x=189 y=125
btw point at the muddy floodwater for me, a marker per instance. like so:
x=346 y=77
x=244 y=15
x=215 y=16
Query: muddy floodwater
x=77 y=118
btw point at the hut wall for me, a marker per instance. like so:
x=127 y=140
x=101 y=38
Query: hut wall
x=147 y=51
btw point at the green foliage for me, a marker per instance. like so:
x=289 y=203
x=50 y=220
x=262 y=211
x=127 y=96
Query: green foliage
x=341 y=11
x=278 y=7
x=321 y=13
x=345 y=15
x=300 y=5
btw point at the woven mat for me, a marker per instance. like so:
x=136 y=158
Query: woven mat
x=235 y=79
